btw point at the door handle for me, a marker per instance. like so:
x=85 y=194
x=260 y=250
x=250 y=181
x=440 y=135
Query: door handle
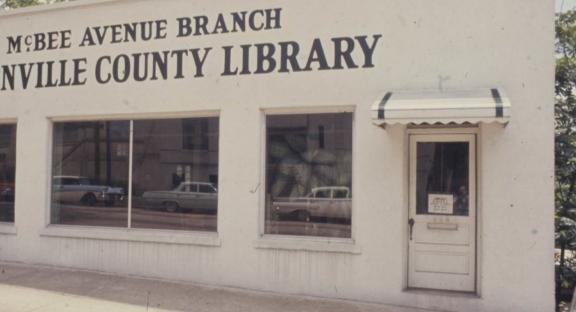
x=411 y=224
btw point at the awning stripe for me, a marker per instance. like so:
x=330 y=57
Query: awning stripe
x=498 y=101
x=382 y=104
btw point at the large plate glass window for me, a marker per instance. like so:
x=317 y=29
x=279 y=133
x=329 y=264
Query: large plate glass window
x=90 y=173
x=174 y=173
x=7 y=172
x=309 y=175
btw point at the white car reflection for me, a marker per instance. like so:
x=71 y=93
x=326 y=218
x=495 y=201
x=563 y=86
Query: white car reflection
x=325 y=202
x=195 y=196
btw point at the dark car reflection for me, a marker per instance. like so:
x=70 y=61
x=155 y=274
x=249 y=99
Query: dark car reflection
x=81 y=190
x=190 y=196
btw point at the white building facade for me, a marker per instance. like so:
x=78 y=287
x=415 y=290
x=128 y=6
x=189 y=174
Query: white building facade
x=397 y=152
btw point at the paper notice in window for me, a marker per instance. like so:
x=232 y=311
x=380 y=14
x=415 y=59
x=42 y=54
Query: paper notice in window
x=440 y=203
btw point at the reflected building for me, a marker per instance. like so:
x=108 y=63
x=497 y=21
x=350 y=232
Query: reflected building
x=165 y=154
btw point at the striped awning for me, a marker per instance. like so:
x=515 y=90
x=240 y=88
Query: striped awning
x=442 y=107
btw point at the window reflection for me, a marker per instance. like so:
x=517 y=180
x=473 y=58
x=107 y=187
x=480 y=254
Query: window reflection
x=175 y=171
x=309 y=175
x=89 y=174
x=7 y=172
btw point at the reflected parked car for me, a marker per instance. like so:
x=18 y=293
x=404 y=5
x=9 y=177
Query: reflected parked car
x=324 y=202
x=197 y=196
x=77 y=189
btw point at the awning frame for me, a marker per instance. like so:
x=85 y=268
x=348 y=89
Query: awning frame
x=433 y=107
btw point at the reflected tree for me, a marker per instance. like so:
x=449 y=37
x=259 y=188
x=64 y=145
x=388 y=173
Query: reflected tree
x=299 y=168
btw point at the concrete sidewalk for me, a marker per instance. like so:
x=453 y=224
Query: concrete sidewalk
x=25 y=288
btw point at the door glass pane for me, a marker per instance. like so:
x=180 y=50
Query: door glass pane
x=442 y=178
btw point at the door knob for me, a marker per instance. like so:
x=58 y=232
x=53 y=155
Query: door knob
x=411 y=224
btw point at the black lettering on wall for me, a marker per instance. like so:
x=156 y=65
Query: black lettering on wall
x=64 y=79
x=39 y=43
x=79 y=70
x=199 y=61
x=121 y=68
x=342 y=53
x=39 y=72
x=184 y=28
x=239 y=21
x=25 y=71
x=317 y=55
x=179 y=62
x=66 y=34
x=161 y=29
x=14 y=44
x=288 y=55
x=140 y=70
x=265 y=62
x=99 y=64
x=8 y=76
x=252 y=20
x=220 y=27
x=87 y=39
x=50 y=82
x=245 y=59
x=160 y=63
x=368 y=50
x=201 y=25
x=273 y=18
x=228 y=62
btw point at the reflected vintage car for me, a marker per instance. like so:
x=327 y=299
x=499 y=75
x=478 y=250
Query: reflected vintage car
x=77 y=189
x=323 y=202
x=195 y=196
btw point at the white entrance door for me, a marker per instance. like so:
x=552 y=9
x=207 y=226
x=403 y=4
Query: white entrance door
x=442 y=218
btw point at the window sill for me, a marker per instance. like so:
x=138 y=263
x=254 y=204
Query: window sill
x=7 y=229
x=133 y=235
x=316 y=244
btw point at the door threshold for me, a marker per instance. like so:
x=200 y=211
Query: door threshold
x=441 y=292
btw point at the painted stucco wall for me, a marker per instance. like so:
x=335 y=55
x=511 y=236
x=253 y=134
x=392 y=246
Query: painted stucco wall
x=445 y=44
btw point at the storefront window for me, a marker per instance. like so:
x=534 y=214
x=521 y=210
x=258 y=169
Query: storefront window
x=89 y=175
x=309 y=175
x=173 y=187
x=7 y=172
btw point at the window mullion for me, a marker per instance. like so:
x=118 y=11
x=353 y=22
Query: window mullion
x=130 y=154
